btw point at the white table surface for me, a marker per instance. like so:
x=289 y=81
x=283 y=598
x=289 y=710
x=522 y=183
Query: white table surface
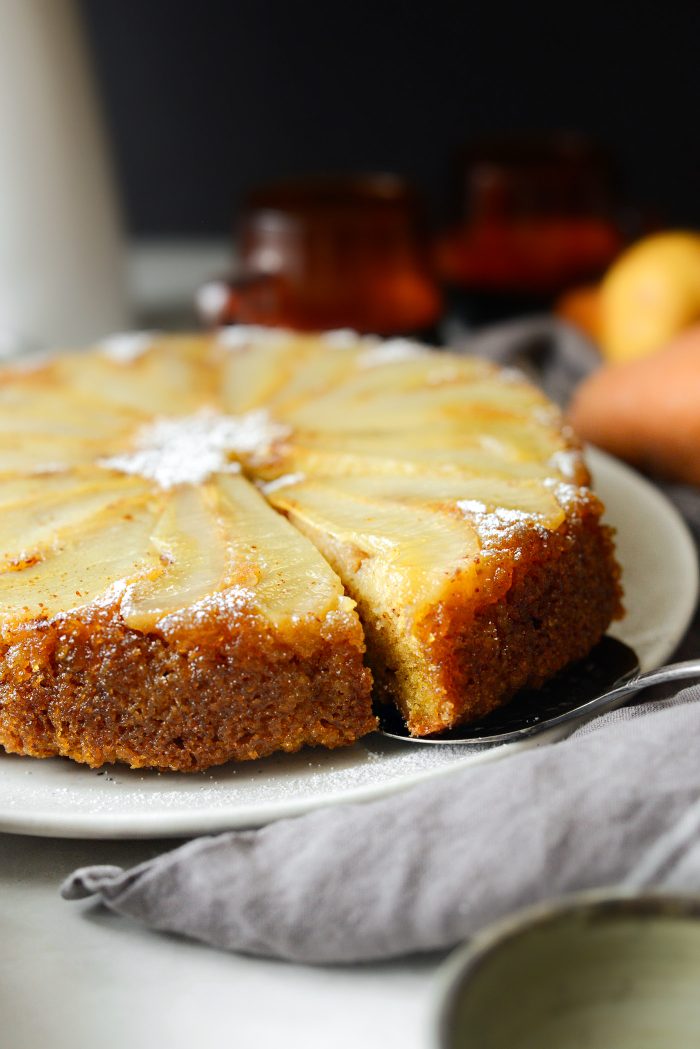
x=73 y=975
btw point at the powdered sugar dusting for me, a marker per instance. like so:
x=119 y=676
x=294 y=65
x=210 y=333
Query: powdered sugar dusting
x=392 y=351
x=146 y=802
x=127 y=347
x=568 y=462
x=547 y=415
x=347 y=339
x=567 y=495
x=227 y=603
x=282 y=482
x=499 y=525
x=472 y=506
x=50 y=467
x=239 y=336
x=114 y=592
x=189 y=449
x=109 y=597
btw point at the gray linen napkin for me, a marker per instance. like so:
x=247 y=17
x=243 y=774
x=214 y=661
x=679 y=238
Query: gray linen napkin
x=617 y=802
x=426 y=868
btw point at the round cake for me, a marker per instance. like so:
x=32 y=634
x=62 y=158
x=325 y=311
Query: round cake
x=216 y=547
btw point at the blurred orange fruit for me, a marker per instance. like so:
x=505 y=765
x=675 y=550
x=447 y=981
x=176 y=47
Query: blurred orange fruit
x=647 y=411
x=581 y=307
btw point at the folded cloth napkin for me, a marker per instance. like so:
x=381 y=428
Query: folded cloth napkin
x=619 y=799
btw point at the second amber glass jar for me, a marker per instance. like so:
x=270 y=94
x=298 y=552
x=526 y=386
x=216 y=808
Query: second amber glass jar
x=533 y=215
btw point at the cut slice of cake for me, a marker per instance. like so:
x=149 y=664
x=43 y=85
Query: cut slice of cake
x=463 y=586
x=189 y=527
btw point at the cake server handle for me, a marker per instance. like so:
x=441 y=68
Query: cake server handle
x=684 y=671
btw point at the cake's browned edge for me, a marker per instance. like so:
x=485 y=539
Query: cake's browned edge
x=87 y=687
x=555 y=596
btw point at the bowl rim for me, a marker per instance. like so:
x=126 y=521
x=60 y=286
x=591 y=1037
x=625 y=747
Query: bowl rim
x=464 y=961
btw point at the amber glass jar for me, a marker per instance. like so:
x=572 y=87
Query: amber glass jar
x=332 y=252
x=531 y=216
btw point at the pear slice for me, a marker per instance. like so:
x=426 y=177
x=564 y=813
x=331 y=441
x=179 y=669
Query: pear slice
x=225 y=536
x=189 y=542
x=375 y=372
x=41 y=522
x=66 y=483
x=44 y=427
x=21 y=489
x=402 y=559
x=380 y=409
x=170 y=378
x=43 y=454
x=394 y=455
x=28 y=410
x=321 y=370
x=475 y=495
x=109 y=549
x=293 y=581
x=497 y=435
x=251 y=375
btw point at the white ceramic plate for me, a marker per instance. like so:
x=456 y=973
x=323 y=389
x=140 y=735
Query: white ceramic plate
x=58 y=798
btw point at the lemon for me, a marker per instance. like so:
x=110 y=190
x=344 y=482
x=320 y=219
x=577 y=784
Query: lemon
x=650 y=294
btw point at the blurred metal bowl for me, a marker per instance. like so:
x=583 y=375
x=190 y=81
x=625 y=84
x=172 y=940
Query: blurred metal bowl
x=594 y=971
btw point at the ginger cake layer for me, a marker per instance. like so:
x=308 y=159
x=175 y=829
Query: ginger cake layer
x=210 y=546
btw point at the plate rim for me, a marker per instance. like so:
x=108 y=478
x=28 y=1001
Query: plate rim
x=690 y=552
x=178 y=823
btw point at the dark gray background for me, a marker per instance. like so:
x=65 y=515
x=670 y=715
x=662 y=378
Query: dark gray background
x=203 y=99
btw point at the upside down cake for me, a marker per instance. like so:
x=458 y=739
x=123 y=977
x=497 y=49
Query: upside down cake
x=213 y=547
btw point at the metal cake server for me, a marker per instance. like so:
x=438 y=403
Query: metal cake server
x=604 y=680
